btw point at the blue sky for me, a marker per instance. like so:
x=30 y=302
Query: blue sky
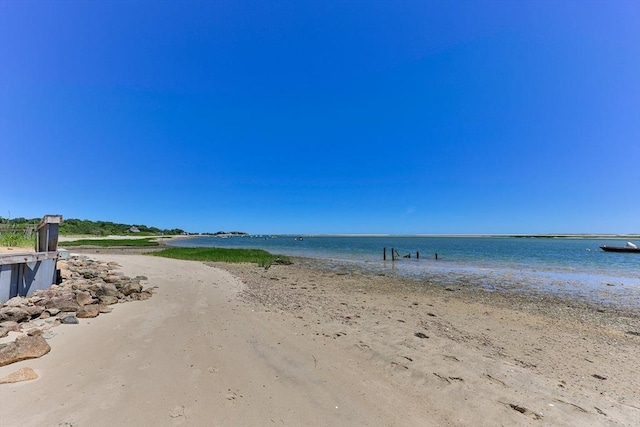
x=324 y=117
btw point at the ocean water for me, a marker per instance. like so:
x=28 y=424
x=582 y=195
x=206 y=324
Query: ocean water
x=570 y=266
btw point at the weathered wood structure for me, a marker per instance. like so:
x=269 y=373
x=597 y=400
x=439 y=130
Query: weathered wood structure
x=24 y=273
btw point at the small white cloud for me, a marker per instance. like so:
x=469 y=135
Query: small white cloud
x=409 y=211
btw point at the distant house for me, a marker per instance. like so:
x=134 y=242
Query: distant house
x=134 y=229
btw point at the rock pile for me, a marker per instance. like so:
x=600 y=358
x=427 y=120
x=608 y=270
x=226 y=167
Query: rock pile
x=87 y=289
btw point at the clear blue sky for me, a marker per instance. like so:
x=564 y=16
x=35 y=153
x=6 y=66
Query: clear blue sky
x=323 y=117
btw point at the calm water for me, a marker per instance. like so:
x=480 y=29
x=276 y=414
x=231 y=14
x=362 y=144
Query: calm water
x=571 y=266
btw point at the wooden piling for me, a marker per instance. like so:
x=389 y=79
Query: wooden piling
x=384 y=254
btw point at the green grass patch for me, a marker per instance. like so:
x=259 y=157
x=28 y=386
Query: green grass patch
x=17 y=240
x=257 y=256
x=105 y=243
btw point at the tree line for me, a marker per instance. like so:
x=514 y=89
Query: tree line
x=87 y=227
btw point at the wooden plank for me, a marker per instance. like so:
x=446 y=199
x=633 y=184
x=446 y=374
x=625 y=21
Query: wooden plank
x=22 y=258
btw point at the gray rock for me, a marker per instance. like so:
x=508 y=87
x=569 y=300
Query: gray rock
x=131 y=287
x=33 y=310
x=88 y=311
x=8 y=326
x=108 y=289
x=108 y=300
x=112 y=278
x=144 y=295
x=90 y=274
x=23 y=348
x=69 y=319
x=64 y=302
x=15 y=314
x=4 y=332
x=16 y=302
x=84 y=298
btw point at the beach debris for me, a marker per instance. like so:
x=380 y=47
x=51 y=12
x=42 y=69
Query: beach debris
x=599 y=377
x=22 y=374
x=574 y=406
x=600 y=411
x=442 y=378
x=177 y=411
x=420 y=335
x=523 y=410
x=396 y=364
x=518 y=408
x=496 y=380
x=23 y=348
x=633 y=333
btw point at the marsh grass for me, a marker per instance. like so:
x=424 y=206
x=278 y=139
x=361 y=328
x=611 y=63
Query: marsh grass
x=105 y=243
x=257 y=256
x=17 y=240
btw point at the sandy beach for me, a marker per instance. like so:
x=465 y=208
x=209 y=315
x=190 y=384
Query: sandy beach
x=301 y=345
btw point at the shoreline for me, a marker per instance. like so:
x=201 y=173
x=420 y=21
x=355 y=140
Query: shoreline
x=237 y=344
x=596 y=292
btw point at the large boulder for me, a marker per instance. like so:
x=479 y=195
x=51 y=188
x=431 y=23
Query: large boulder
x=89 y=311
x=23 y=348
x=16 y=314
x=63 y=302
